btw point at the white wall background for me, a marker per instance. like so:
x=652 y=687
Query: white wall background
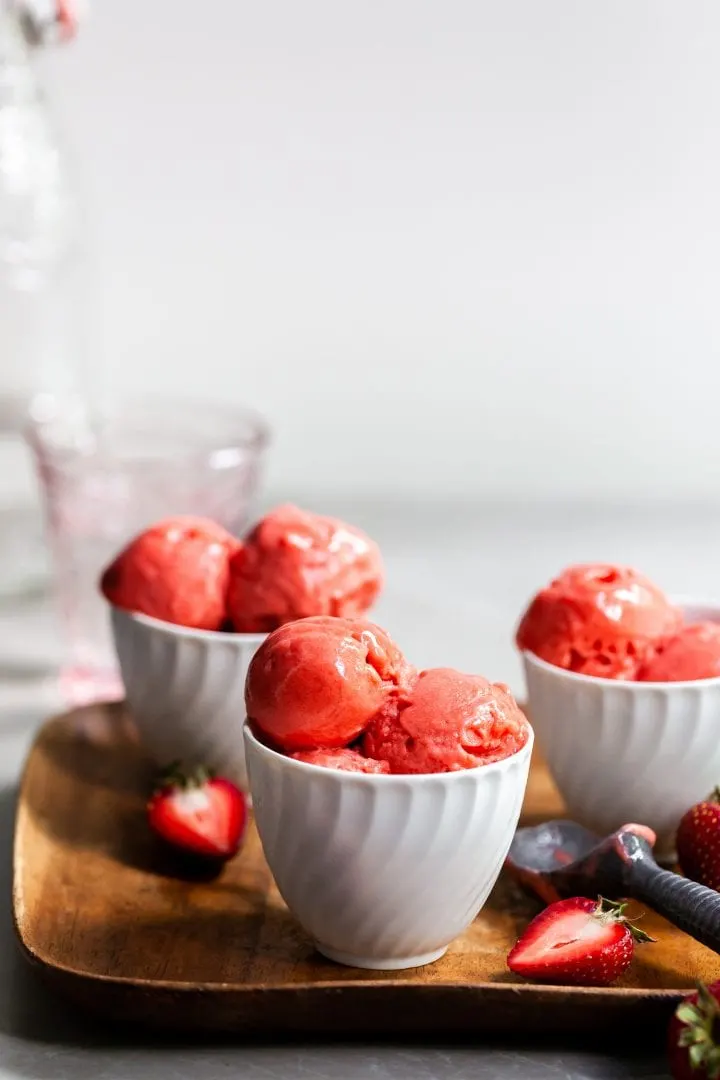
x=471 y=247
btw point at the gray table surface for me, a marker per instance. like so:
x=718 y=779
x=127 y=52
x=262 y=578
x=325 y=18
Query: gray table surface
x=457 y=579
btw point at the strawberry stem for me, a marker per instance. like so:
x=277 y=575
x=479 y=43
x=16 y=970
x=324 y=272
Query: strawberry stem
x=178 y=776
x=614 y=911
x=697 y=1034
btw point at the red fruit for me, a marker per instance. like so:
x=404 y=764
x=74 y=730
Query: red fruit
x=694 y=1036
x=577 y=942
x=199 y=813
x=698 y=842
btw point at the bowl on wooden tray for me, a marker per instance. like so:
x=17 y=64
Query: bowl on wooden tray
x=384 y=871
x=623 y=690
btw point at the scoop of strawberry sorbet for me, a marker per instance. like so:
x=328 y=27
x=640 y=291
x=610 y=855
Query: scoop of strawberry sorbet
x=315 y=684
x=176 y=570
x=295 y=564
x=449 y=721
x=692 y=653
x=597 y=619
x=346 y=760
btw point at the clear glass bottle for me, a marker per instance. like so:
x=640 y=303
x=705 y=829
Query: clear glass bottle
x=40 y=274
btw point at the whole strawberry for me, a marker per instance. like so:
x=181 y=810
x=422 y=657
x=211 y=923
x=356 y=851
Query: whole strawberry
x=199 y=813
x=698 y=842
x=694 y=1036
x=576 y=942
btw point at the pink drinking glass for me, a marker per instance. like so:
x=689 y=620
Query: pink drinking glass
x=105 y=477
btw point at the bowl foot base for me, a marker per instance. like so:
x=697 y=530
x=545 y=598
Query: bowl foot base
x=373 y=963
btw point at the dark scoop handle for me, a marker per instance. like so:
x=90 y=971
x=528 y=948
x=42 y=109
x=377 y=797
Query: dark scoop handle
x=691 y=907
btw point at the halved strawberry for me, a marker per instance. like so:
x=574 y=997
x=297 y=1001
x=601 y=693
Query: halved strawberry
x=198 y=812
x=694 y=1035
x=577 y=942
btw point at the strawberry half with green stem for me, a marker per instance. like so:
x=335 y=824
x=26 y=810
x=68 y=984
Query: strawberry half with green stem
x=698 y=842
x=576 y=942
x=199 y=813
x=694 y=1036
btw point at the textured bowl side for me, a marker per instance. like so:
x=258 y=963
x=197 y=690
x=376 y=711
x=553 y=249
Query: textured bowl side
x=384 y=871
x=186 y=691
x=622 y=752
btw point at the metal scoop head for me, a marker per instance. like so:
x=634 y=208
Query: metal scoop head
x=561 y=858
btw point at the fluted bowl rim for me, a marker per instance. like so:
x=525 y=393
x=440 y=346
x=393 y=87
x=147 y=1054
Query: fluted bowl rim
x=479 y=773
x=168 y=629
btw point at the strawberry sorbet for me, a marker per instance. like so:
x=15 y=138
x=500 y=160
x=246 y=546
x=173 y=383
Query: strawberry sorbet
x=316 y=683
x=176 y=570
x=693 y=653
x=346 y=760
x=598 y=619
x=295 y=564
x=339 y=693
x=451 y=721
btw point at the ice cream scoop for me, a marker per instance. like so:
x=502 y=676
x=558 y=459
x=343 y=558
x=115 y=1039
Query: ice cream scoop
x=316 y=683
x=561 y=859
x=295 y=564
x=598 y=619
x=177 y=570
x=449 y=721
x=692 y=653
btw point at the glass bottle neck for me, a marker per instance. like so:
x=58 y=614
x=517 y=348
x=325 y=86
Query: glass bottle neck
x=17 y=77
x=13 y=41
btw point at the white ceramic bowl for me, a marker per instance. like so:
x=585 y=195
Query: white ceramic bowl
x=624 y=752
x=186 y=690
x=384 y=871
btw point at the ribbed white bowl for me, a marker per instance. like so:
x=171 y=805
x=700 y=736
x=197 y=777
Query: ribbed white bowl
x=186 y=690
x=384 y=871
x=624 y=752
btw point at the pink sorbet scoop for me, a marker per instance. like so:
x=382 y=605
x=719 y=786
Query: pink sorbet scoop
x=295 y=564
x=451 y=721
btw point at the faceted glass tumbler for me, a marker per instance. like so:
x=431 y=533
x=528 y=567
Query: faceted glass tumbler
x=104 y=477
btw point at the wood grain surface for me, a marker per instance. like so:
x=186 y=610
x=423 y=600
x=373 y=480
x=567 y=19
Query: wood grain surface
x=109 y=920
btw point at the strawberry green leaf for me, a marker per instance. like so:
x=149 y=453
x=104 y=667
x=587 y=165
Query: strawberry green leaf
x=696 y=1055
x=699 y=1020
x=610 y=911
x=687 y=1013
x=639 y=935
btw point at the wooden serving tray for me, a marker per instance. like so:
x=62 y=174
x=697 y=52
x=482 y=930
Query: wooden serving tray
x=109 y=924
